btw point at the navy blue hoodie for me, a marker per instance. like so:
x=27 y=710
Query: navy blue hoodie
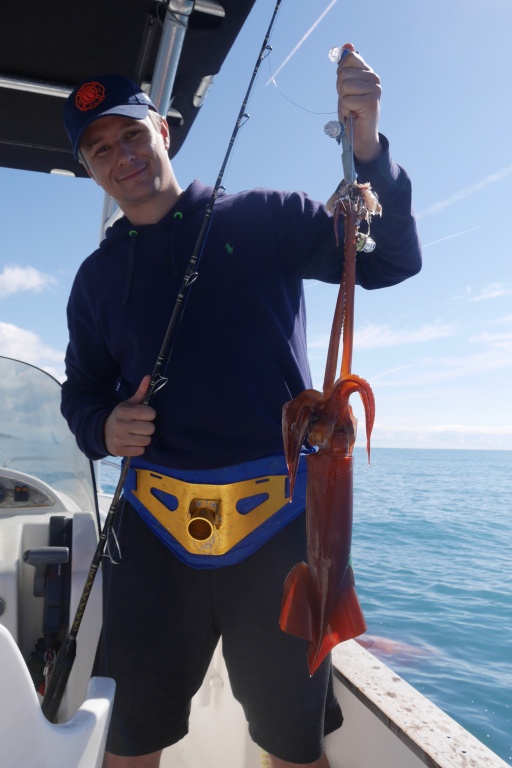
x=240 y=352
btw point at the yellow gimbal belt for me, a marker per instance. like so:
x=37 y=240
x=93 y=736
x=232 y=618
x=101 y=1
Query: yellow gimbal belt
x=209 y=519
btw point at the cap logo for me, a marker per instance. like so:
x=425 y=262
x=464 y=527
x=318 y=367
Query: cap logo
x=89 y=96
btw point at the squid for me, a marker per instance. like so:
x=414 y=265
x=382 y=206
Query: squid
x=320 y=603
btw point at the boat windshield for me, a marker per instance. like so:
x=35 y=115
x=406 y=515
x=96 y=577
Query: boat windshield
x=34 y=436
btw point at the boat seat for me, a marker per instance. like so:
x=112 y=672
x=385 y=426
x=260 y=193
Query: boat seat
x=27 y=738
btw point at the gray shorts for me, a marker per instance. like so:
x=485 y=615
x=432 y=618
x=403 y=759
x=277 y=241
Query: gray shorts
x=162 y=622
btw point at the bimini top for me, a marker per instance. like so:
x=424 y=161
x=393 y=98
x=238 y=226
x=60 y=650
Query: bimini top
x=172 y=48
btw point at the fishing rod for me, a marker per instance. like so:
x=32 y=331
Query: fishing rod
x=66 y=656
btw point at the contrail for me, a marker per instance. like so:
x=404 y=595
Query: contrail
x=463 y=193
x=301 y=41
x=450 y=237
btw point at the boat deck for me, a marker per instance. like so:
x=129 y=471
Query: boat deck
x=388 y=724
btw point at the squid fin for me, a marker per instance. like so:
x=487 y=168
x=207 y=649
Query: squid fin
x=296 y=618
x=345 y=622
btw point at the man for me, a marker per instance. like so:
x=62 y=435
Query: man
x=187 y=574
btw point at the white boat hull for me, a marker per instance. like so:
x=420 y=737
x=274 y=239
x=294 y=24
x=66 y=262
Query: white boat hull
x=28 y=740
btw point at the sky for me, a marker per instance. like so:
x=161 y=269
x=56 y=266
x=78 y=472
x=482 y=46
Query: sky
x=437 y=349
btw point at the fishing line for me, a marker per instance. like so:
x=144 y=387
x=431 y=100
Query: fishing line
x=66 y=656
x=295 y=104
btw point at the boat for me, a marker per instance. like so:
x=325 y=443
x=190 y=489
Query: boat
x=49 y=527
x=51 y=506
x=51 y=512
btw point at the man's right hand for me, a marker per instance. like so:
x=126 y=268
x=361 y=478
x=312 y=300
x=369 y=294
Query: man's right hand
x=128 y=429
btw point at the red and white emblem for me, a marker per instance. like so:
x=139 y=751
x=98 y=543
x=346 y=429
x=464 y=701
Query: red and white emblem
x=89 y=96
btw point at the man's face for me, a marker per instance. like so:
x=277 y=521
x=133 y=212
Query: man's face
x=128 y=159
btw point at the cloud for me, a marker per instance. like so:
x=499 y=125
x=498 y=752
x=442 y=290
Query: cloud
x=462 y=194
x=374 y=336
x=466 y=429
x=502 y=340
x=443 y=436
x=463 y=429
x=14 y=279
x=492 y=291
x=427 y=371
x=507 y=320
x=27 y=346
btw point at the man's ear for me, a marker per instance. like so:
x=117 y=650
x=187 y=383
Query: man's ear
x=82 y=161
x=165 y=132
x=89 y=173
x=92 y=176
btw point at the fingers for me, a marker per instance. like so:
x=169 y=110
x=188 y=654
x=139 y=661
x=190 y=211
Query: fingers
x=140 y=394
x=359 y=93
x=348 y=47
x=130 y=426
x=358 y=86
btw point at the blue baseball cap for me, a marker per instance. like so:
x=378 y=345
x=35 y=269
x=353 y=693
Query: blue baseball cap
x=100 y=96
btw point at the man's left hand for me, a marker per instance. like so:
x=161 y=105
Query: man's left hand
x=359 y=95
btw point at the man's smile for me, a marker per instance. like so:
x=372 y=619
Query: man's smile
x=132 y=175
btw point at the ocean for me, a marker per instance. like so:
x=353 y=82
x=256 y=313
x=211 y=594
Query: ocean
x=432 y=552
x=432 y=549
